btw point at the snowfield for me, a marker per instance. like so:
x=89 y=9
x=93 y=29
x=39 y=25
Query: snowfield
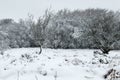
x=53 y=64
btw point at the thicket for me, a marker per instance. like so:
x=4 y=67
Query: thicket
x=90 y=28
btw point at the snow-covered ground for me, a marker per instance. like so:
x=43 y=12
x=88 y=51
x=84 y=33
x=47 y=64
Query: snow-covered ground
x=52 y=64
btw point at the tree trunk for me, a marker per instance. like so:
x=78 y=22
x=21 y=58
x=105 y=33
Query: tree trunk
x=40 y=49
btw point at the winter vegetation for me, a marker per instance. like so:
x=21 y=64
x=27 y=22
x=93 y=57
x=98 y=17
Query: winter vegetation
x=64 y=40
x=78 y=29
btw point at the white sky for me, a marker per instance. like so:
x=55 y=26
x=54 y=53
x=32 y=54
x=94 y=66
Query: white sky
x=20 y=8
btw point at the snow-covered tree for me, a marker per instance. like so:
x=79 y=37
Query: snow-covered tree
x=102 y=28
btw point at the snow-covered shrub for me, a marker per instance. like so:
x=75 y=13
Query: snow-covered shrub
x=113 y=74
x=42 y=71
x=98 y=57
x=115 y=61
x=27 y=57
x=76 y=61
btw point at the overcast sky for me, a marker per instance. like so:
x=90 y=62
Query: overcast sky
x=20 y=8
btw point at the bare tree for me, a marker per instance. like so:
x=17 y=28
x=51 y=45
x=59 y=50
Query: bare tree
x=39 y=28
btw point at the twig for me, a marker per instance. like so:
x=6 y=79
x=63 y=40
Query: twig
x=55 y=76
x=18 y=76
x=36 y=78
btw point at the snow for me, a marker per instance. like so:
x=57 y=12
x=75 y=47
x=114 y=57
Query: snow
x=52 y=64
